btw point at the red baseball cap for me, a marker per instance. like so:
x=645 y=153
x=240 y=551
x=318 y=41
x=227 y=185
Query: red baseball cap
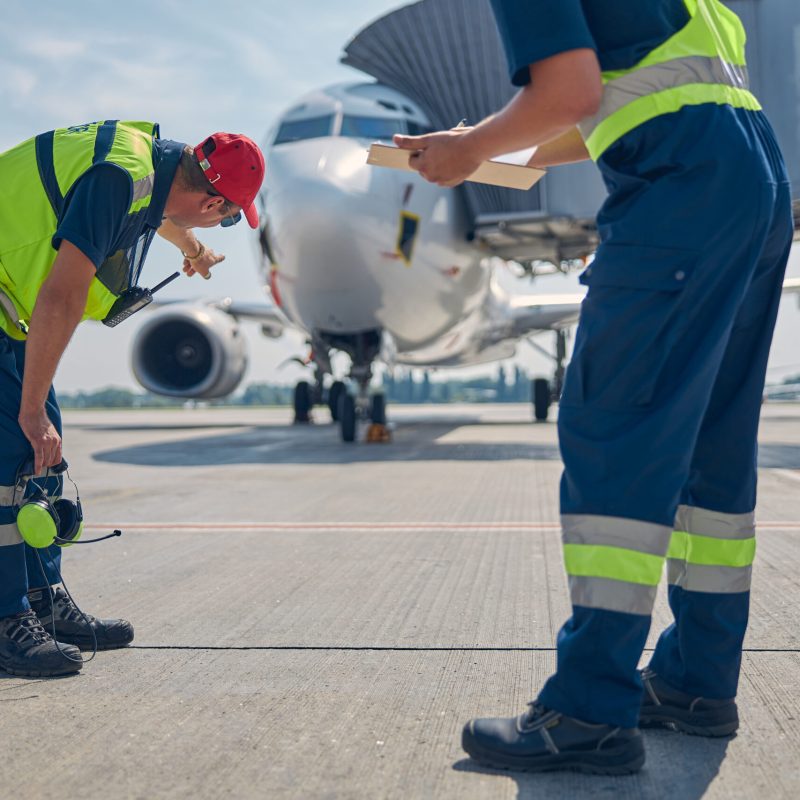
x=235 y=167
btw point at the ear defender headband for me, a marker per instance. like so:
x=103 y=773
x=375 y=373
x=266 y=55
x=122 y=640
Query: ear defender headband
x=42 y=522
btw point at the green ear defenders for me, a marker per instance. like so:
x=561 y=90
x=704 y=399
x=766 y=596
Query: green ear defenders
x=41 y=521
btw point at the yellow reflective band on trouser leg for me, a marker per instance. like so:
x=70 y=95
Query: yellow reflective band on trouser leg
x=612 y=578
x=711 y=551
x=614 y=563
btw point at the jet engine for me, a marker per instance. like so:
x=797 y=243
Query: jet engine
x=190 y=351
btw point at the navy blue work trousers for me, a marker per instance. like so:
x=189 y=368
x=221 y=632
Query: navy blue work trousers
x=660 y=409
x=20 y=564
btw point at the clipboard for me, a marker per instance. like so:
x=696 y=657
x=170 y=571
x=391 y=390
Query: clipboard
x=495 y=173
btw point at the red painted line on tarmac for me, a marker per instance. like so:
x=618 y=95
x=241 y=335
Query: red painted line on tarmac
x=367 y=526
x=323 y=526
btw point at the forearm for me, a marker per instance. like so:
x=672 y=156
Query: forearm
x=183 y=238
x=518 y=126
x=52 y=324
x=546 y=109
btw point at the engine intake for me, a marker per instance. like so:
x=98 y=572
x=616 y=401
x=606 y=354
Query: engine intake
x=193 y=351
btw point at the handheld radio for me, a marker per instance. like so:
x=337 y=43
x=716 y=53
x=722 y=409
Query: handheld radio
x=133 y=300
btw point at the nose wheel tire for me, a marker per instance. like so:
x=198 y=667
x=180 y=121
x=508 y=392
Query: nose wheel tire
x=347 y=417
x=334 y=398
x=377 y=409
x=378 y=430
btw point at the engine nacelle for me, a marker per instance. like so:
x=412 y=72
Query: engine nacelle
x=191 y=351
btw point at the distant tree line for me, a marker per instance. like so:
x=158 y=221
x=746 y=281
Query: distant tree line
x=507 y=386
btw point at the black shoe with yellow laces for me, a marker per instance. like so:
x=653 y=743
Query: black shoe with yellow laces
x=541 y=740
x=75 y=627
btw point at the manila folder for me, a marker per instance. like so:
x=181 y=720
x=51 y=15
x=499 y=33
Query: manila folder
x=496 y=173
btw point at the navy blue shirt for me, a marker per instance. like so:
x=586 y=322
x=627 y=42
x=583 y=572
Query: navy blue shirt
x=621 y=32
x=95 y=212
x=95 y=216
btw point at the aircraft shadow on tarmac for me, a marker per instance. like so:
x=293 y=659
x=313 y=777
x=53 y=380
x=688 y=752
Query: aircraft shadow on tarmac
x=779 y=456
x=273 y=444
x=288 y=444
x=677 y=766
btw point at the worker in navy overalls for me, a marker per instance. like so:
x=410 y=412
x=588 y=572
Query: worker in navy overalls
x=659 y=414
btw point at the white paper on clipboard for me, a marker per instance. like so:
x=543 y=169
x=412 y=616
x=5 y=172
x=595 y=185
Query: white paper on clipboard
x=496 y=173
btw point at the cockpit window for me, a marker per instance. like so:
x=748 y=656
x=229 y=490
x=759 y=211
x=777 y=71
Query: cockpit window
x=370 y=127
x=379 y=127
x=299 y=129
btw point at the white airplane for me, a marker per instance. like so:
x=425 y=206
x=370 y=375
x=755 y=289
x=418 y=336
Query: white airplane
x=372 y=262
x=378 y=263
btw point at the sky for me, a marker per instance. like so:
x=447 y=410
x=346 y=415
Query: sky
x=199 y=67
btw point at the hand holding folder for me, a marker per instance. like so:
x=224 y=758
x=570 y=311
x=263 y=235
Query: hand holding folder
x=496 y=172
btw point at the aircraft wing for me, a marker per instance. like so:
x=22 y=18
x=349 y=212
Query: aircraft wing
x=553 y=312
x=543 y=312
x=273 y=321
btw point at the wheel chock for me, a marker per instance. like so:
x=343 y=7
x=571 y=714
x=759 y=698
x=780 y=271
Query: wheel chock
x=378 y=433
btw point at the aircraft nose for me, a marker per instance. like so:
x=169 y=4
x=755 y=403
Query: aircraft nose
x=331 y=219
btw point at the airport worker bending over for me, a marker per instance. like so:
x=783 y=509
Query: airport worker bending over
x=78 y=210
x=658 y=418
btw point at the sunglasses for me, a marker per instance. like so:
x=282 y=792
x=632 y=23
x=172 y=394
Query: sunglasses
x=229 y=221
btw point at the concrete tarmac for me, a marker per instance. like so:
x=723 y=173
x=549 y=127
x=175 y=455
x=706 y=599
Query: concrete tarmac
x=318 y=620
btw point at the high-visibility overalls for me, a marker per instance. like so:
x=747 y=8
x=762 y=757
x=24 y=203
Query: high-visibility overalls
x=660 y=409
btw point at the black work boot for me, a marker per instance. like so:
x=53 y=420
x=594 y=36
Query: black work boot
x=27 y=649
x=540 y=740
x=72 y=627
x=666 y=707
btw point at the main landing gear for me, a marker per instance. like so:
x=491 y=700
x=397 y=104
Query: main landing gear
x=349 y=402
x=346 y=409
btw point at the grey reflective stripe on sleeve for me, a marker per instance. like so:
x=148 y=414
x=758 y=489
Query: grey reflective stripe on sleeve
x=9 y=535
x=618 y=92
x=704 y=578
x=610 y=595
x=10 y=309
x=703 y=522
x=632 y=534
x=143 y=187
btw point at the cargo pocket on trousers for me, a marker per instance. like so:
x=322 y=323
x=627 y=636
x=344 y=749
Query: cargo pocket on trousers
x=633 y=313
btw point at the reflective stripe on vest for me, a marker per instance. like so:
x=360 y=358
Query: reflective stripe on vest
x=614 y=563
x=711 y=552
x=702 y=63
